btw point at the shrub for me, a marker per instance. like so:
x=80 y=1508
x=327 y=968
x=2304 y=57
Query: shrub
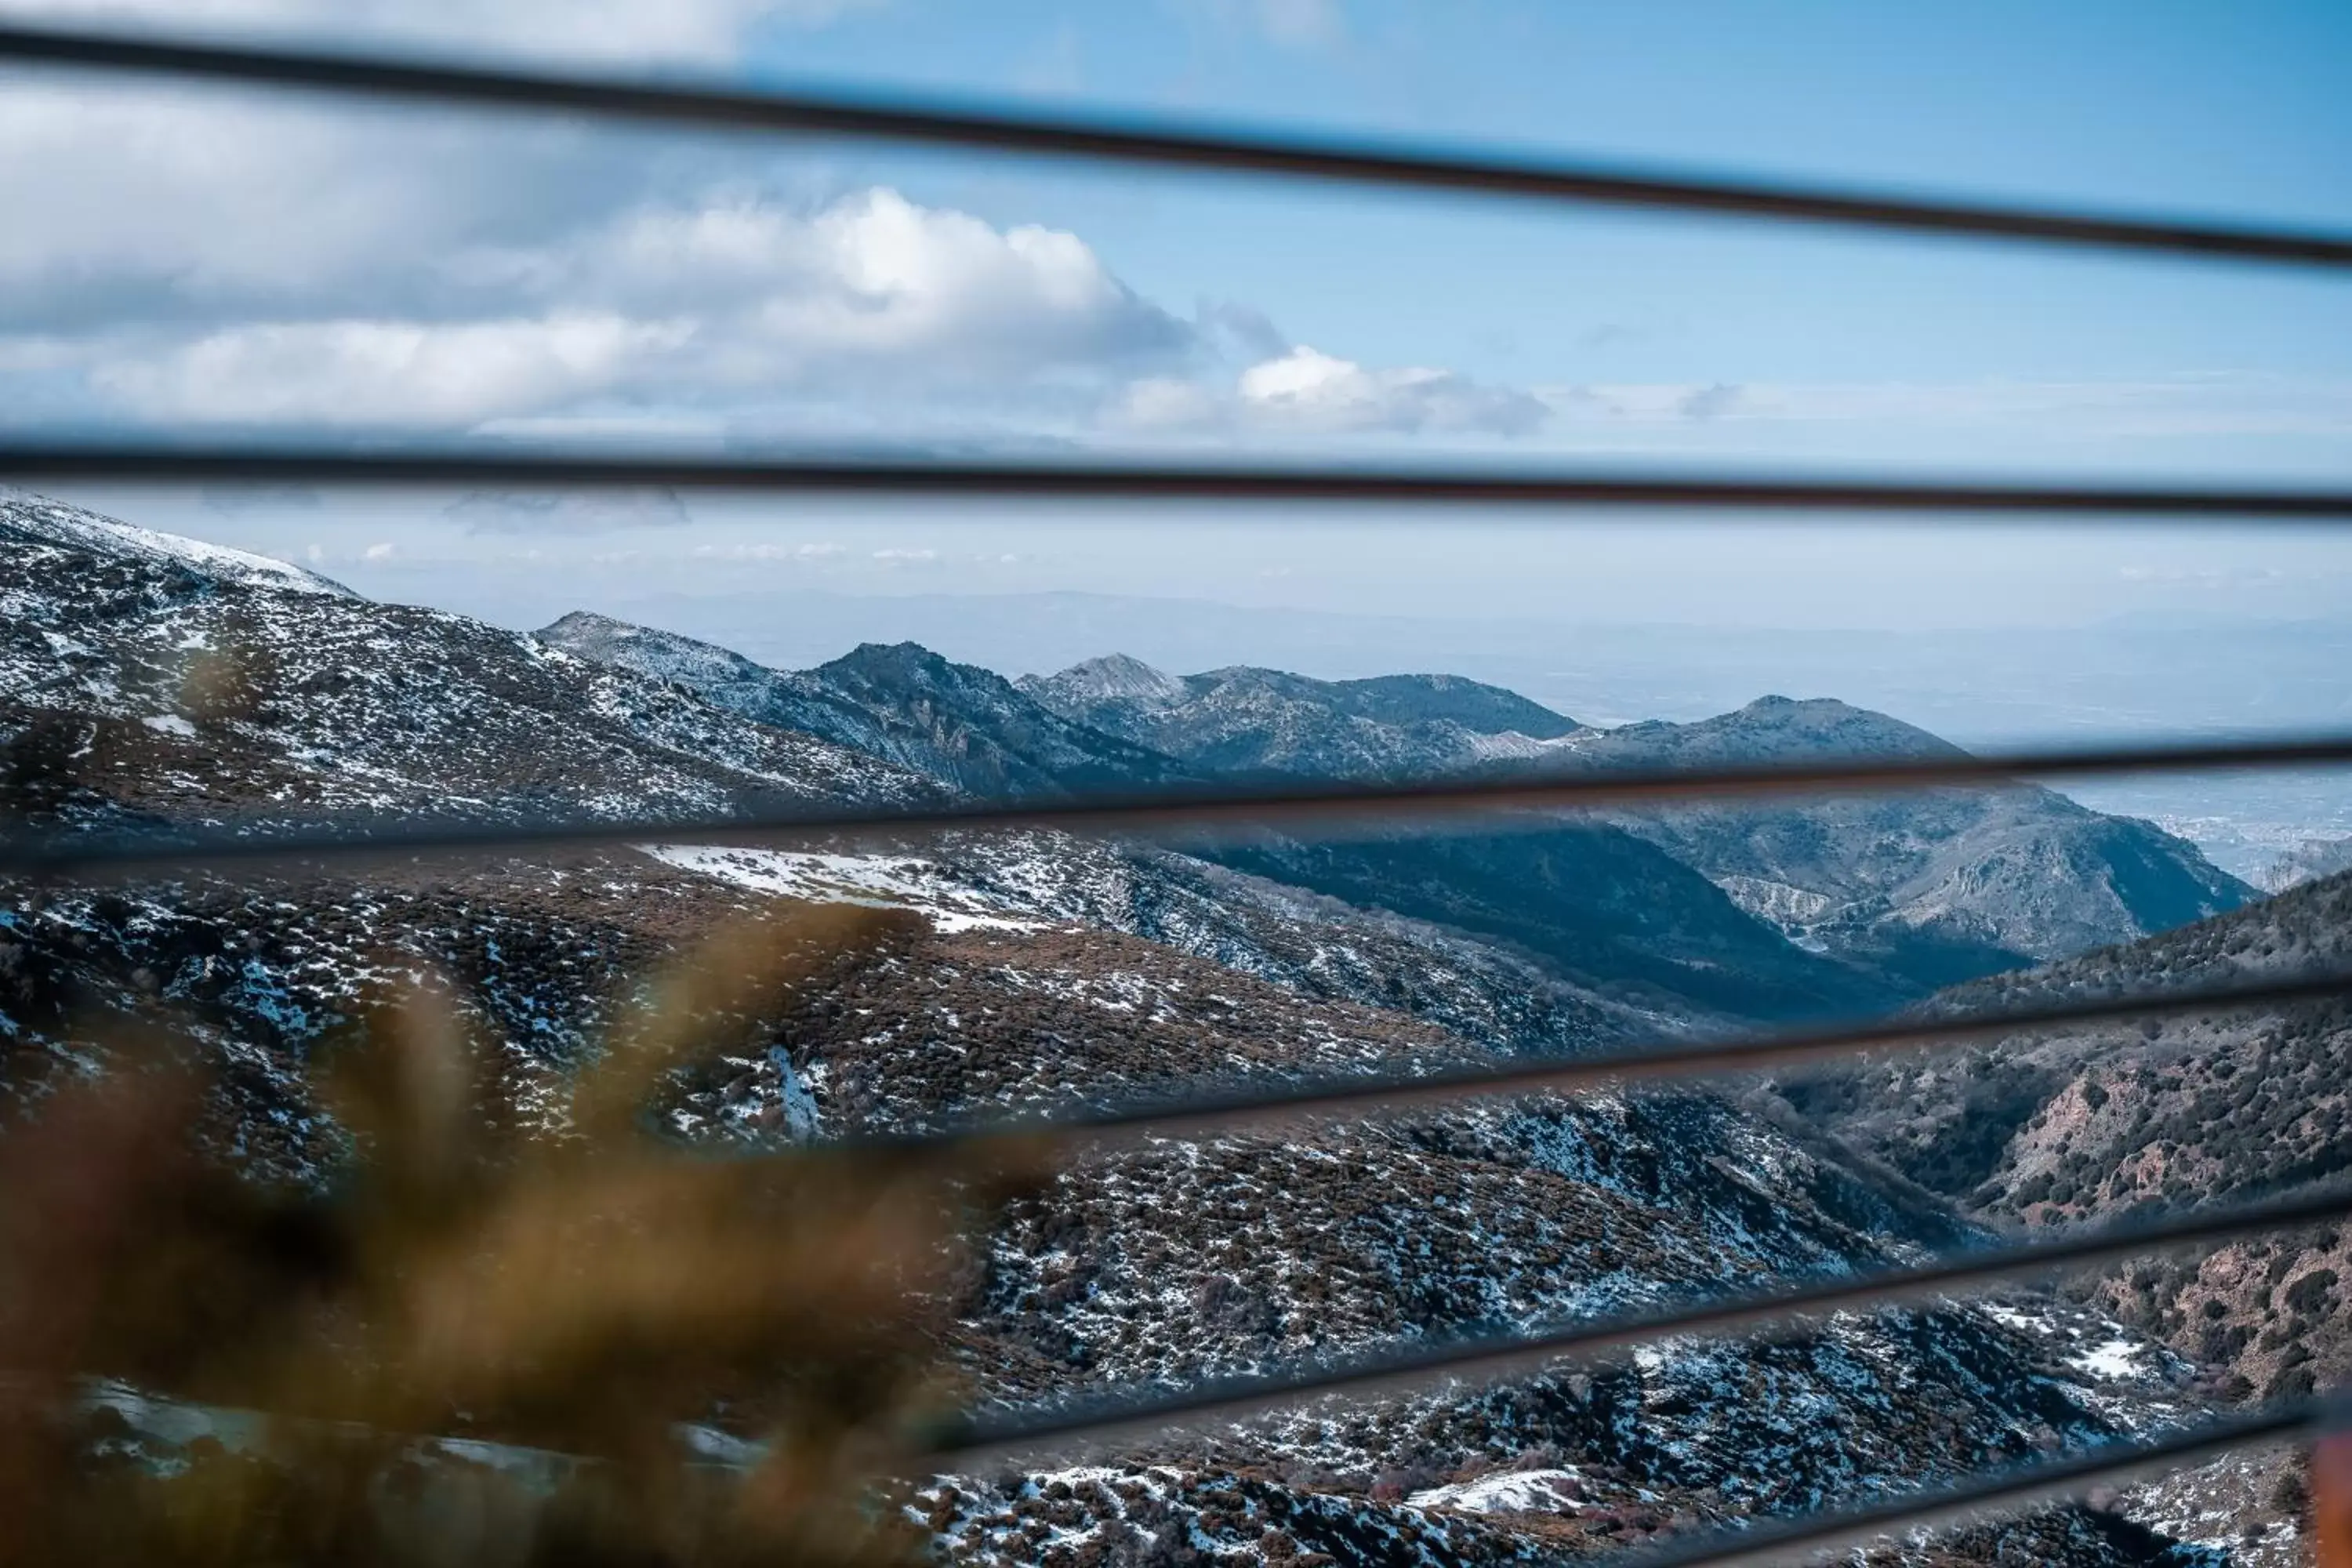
x=2292 y=1383
x=2308 y=1294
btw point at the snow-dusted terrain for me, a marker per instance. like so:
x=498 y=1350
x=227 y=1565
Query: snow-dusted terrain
x=1823 y=906
x=27 y=519
x=210 y=687
x=1022 y=970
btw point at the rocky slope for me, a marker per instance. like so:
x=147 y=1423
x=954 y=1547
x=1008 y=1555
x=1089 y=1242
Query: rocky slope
x=1593 y=903
x=1930 y=887
x=1597 y=908
x=1181 y=1257
x=26 y=518
x=169 y=681
x=1827 y=907
x=1023 y=970
x=2313 y=858
x=187 y=694
x=1315 y=946
x=2042 y=1129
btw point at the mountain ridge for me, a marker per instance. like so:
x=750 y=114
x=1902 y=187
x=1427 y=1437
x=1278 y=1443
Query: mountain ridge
x=1925 y=889
x=1243 y=721
x=1877 y=898
x=1618 y=917
x=968 y=727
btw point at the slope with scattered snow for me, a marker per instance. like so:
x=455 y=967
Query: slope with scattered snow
x=31 y=518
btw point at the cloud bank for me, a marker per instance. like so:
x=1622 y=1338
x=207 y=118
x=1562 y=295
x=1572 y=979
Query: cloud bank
x=231 y=261
x=734 y=301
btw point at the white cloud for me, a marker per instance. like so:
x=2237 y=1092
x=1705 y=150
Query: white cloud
x=133 y=202
x=153 y=198
x=375 y=373
x=1304 y=391
x=215 y=259
x=678 y=306
x=376 y=553
x=812 y=552
x=1311 y=391
x=876 y=279
x=615 y=29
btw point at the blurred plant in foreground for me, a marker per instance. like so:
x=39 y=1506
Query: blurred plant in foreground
x=565 y=1300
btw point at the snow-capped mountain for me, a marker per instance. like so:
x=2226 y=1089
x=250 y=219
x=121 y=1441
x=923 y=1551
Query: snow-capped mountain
x=35 y=520
x=1023 y=969
x=1835 y=905
x=965 y=726
x=156 y=676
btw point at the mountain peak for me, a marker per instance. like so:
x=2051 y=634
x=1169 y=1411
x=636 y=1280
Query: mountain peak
x=907 y=652
x=906 y=664
x=703 y=667
x=1825 y=724
x=1477 y=707
x=1115 y=676
x=960 y=724
x=582 y=630
x=1771 y=727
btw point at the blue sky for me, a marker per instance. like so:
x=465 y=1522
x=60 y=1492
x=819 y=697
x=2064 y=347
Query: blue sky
x=2224 y=110
x=233 y=265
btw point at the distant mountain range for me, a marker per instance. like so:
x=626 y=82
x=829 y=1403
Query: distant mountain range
x=1835 y=906
x=1985 y=687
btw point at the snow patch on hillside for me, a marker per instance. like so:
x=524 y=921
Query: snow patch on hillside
x=1510 y=1491
x=2116 y=1357
x=1510 y=746
x=1788 y=907
x=876 y=881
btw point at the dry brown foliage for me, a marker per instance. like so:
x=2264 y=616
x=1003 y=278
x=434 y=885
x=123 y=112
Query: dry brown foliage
x=582 y=1291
